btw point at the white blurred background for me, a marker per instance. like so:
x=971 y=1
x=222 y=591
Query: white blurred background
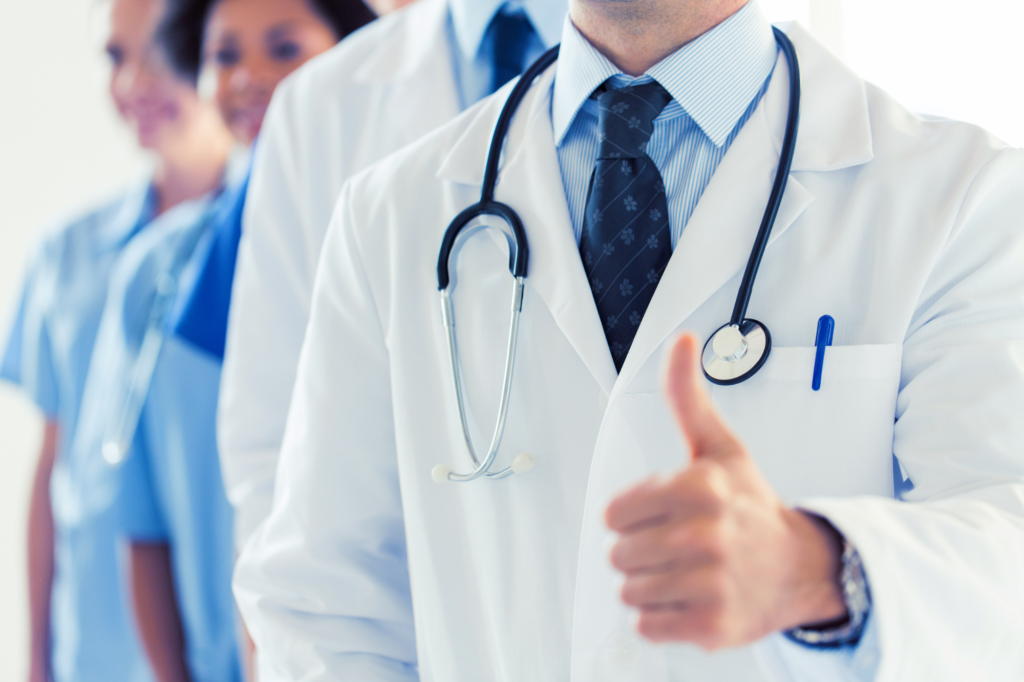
x=60 y=146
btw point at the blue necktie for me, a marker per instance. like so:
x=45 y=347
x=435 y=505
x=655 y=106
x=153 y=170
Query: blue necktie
x=511 y=37
x=626 y=242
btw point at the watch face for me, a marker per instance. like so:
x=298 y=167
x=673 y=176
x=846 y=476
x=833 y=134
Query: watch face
x=857 y=596
x=855 y=587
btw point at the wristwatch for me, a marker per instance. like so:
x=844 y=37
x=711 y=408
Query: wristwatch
x=856 y=595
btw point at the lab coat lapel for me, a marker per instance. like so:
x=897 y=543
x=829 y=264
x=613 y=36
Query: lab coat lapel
x=530 y=182
x=716 y=243
x=415 y=56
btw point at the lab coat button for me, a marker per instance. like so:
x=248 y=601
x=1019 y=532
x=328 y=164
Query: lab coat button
x=602 y=401
x=625 y=651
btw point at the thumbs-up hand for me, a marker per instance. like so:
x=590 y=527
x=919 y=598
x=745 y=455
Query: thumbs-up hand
x=710 y=554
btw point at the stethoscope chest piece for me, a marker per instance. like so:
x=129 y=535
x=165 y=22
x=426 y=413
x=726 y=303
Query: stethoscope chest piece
x=735 y=352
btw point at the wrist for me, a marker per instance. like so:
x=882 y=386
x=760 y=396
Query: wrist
x=814 y=594
x=856 y=596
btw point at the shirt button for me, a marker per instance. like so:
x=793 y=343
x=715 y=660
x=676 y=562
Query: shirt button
x=625 y=651
x=602 y=401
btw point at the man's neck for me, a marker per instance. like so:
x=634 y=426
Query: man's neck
x=637 y=34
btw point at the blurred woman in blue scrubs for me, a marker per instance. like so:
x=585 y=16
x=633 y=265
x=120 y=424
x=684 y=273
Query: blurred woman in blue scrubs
x=177 y=518
x=80 y=628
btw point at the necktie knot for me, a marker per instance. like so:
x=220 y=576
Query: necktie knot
x=626 y=119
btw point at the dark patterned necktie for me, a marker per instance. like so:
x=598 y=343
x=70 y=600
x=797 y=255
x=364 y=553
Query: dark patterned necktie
x=626 y=242
x=512 y=34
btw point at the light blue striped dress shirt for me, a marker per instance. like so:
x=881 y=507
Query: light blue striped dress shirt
x=716 y=82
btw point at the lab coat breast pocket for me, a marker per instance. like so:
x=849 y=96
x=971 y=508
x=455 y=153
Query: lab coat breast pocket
x=834 y=441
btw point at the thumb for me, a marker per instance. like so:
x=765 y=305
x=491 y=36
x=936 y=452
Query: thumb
x=696 y=417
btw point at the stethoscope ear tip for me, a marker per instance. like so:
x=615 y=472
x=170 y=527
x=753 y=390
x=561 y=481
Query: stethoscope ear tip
x=523 y=462
x=440 y=473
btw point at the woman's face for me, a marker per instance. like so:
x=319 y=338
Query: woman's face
x=251 y=45
x=155 y=104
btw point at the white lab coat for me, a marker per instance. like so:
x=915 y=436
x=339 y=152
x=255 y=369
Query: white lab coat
x=908 y=232
x=377 y=91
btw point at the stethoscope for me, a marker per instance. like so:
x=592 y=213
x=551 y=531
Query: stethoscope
x=120 y=428
x=733 y=354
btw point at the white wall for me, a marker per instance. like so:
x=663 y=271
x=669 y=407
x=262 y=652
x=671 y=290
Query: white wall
x=942 y=57
x=59 y=146
x=946 y=57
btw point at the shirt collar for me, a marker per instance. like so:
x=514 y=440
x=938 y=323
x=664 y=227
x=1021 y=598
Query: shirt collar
x=714 y=77
x=470 y=18
x=140 y=203
x=137 y=209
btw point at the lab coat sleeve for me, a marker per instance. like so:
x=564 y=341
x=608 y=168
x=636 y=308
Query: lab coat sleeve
x=324 y=585
x=27 y=360
x=945 y=566
x=281 y=233
x=844 y=664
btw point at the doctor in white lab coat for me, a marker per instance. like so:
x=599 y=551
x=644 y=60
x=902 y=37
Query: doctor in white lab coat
x=380 y=89
x=907 y=231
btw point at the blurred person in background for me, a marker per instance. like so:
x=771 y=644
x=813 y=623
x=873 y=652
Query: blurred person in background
x=402 y=77
x=170 y=292
x=80 y=624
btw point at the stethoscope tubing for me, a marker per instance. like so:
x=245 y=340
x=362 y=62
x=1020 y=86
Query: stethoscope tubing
x=519 y=261
x=119 y=433
x=515 y=98
x=519 y=252
x=519 y=256
x=739 y=311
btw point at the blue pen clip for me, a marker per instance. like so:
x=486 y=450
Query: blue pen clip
x=823 y=339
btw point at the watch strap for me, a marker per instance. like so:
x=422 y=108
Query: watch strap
x=857 y=597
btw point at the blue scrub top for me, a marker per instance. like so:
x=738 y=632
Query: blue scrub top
x=48 y=354
x=170 y=487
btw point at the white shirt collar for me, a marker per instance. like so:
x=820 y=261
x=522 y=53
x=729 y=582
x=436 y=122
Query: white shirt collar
x=714 y=77
x=470 y=18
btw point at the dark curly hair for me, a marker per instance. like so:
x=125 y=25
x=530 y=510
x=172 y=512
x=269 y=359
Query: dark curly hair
x=181 y=31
